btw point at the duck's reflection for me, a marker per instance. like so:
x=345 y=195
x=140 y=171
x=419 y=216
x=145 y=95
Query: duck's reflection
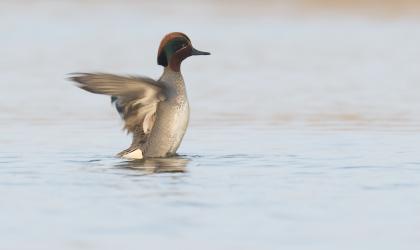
x=176 y=164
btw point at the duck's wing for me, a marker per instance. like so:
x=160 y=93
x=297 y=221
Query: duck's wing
x=135 y=97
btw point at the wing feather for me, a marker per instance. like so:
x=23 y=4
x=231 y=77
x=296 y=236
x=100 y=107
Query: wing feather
x=135 y=97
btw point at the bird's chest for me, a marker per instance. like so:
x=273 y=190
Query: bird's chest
x=175 y=112
x=172 y=117
x=171 y=124
x=175 y=116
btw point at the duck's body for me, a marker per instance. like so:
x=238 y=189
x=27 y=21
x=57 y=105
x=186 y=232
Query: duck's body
x=172 y=119
x=155 y=112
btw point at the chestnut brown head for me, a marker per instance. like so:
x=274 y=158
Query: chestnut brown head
x=174 y=48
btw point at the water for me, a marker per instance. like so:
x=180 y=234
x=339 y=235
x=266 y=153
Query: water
x=304 y=131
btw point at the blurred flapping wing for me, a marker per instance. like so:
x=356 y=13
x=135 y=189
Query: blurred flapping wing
x=136 y=98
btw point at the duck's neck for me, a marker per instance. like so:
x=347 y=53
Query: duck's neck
x=173 y=80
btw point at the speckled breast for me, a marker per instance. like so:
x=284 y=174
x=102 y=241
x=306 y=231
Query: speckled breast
x=172 y=118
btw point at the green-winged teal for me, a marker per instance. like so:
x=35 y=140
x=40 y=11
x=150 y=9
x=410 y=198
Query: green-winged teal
x=155 y=112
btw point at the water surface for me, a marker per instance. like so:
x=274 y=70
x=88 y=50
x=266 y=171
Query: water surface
x=304 y=131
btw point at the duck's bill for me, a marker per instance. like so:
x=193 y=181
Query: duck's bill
x=196 y=52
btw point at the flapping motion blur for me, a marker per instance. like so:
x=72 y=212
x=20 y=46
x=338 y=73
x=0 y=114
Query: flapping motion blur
x=155 y=112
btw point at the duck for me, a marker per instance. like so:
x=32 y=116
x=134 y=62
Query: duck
x=155 y=112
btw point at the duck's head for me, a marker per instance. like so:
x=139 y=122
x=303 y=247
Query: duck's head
x=174 y=48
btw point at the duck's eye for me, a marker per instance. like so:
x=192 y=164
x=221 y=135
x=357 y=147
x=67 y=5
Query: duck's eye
x=178 y=46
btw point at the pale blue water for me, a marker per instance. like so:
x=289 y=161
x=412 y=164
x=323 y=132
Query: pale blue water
x=304 y=131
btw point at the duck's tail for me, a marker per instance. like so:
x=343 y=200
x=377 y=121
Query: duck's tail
x=133 y=153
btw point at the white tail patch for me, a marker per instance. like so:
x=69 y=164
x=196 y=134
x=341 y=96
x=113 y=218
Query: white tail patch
x=136 y=154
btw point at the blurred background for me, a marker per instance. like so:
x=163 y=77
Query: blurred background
x=303 y=131
x=283 y=62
